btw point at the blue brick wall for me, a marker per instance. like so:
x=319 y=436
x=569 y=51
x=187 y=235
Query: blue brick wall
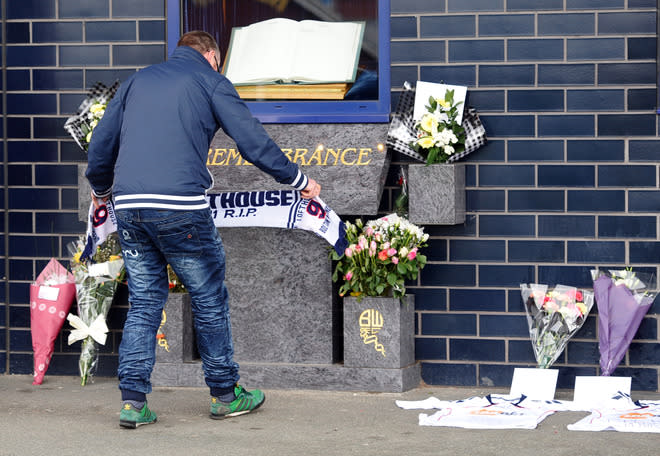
x=55 y=50
x=569 y=180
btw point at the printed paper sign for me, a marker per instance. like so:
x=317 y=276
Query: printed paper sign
x=538 y=384
x=424 y=90
x=597 y=392
x=48 y=293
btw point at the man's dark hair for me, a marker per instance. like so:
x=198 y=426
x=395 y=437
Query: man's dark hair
x=200 y=41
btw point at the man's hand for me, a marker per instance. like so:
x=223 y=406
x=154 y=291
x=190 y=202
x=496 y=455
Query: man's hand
x=312 y=190
x=99 y=201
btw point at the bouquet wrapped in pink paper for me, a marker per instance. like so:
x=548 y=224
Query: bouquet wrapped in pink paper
x=51 y=296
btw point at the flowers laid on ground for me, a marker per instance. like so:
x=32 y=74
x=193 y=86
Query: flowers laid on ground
x=382 y=254
x=623 y=298
x=81 y=125
x=553 y=317
x=439 y=134
x=97 y=279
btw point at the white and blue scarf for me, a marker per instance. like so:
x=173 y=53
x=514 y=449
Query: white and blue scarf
x=273 y=209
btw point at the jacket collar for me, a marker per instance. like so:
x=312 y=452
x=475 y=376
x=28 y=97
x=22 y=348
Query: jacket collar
x=188 y=53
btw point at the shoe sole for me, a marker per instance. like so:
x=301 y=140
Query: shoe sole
x=134 y=424
x=242 y=412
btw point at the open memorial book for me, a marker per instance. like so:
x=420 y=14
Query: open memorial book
x=284 y=51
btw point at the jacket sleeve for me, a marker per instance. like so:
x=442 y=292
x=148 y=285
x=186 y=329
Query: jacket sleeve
x=254 y=143
x=104 y=148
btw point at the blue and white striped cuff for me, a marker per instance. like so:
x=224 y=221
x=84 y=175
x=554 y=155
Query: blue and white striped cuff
x=300 y=182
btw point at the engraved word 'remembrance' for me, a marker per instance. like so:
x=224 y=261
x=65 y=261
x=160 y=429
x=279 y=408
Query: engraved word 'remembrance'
x=371 y=322
x=321 y=156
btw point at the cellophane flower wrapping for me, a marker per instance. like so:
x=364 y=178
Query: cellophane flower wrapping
x=553 y=317
x=51 y=296
x=382 y=254
x=623 y=297
x=96 y=280
x=88 y=114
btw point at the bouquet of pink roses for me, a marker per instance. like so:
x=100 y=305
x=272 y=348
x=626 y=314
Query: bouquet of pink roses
x=553 y=317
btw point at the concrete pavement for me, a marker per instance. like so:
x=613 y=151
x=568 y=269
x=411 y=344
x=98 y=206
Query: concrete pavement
x=60 y=417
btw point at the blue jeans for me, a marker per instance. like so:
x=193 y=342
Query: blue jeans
x=188 y=241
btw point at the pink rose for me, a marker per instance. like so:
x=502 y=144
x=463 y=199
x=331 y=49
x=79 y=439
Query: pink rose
x=412 y=254
x=382 y=255
x=391 y=252
x=349 y=275
x=348 y=252
x=369 y=231
x=395 y=260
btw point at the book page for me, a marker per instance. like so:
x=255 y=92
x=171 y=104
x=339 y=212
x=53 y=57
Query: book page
x=327 y=51
x=261 y=52
x=283 y=50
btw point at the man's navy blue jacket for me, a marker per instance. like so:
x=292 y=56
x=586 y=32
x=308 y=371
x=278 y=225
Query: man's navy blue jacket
x=150 y=148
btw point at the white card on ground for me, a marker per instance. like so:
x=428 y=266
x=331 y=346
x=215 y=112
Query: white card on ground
x=595 y=392
x=534 y=383
x=424 y=90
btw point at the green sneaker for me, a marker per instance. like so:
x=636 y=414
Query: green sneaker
x=132 y=417
x=245 y=402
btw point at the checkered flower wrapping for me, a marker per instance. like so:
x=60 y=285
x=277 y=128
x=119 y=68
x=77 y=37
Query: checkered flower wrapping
x=401 y=132
x=78 y=125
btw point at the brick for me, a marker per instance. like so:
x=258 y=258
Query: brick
x=486 y=100
x=627 y=23
x=418 y=6
x=485 y=200
x=506 y=176
x=475 y=5
x=506 y=25
x=58 y=80
x=596 y=252
x=594 y=4
x=596 y=200
x=83 y=8
x=508 y=125
x=18 y=127
x=503 y=326
x=20 y=222
x=461 y=299
x=566 y=125
x=641 y=4
x=401 y=74
x=648 y=329
x=417 y=51
x=467 y=229
x=595 y=150
x=619 y=226
x=429 y=298
x=31 y=103
x=643 y=201
x=535 y=49
x=477 y=251
x=506 y=75
x=449 y=374
x=458 y=75
x=31 y=9
x=447 y=26
x=49 y=127
x=107 y=76
x=449 y=324
x=535 y=150
x=566 y=225
x=430 y=348
x=93 y=55
x=626 y=73
x=32 y=151
x=436 y=250
x=476 y=50
x=18 y=32
x=448 y=275
x=56 y=175
x=567 y=374
x=493 y=151
x=642 y=48
x=521 y=351
x=138 y=55
x=645 y=150
x=595 y=100
x=19 y=292
x=506 y=225
x=18 y=79
x=144 y=8
x=566 y=24
x=155 y=30
x=20 y=175
x=536 y=251
x=643 y=379
x=535 y=100
x=400 y=27
x=31 y=56
x=476 y=350
x=505 y=275
x=20 y=270
x=641 y=99
x=535 y=200
x=30 y=198
x=595 y=49
x=575 y=276
x=627 y=176
x=111 y=31
x=566 y=74
x=582 y=352
x=566 y=175
x=62 y=32
x=534 y=5
x=626 y=124
x=644 y=252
